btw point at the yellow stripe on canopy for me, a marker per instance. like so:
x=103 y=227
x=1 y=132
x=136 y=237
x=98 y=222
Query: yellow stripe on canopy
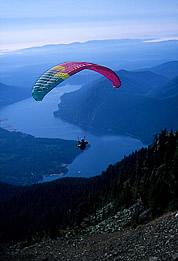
x=58 y=67
x=62 y=75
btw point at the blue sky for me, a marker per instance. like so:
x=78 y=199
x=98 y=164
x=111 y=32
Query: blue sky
x=27 y=23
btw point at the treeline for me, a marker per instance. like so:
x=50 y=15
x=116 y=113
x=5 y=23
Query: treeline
x=45 y=209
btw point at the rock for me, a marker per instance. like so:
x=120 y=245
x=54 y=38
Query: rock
x=153 y=258
x=154 y=241
x=175 y=257
x=144 y=216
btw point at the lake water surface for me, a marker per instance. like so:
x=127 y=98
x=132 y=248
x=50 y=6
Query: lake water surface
x=36 y=118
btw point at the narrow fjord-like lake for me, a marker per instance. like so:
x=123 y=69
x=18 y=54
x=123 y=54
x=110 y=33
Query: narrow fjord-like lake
x=36 y=118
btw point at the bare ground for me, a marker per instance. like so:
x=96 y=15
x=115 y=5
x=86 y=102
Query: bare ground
x=155 y=241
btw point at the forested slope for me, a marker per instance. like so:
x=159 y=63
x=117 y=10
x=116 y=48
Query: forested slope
x=149 y=175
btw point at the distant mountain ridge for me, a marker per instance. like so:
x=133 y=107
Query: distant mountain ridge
x=128 y=54
x=168 y=70
x=138 y=83
x=167 y=90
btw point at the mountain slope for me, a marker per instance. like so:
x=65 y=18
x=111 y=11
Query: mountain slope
x=25 y=159
x=129 y=109
x=140 y=83
x=11 y=94
x=148 y=242
x=168 y=70
x=148 y=176
x=168 y=90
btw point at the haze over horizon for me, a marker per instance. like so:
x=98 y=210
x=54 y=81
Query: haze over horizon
x=37 y=23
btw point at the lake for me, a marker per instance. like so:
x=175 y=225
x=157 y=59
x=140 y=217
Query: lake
x=37 y=119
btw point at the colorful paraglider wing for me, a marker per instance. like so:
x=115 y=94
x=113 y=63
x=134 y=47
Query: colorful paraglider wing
x=59 y=73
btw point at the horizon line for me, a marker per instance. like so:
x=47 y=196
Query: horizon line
x=146 y=40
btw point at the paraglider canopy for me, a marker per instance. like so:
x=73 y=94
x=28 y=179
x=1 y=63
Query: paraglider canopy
x=61 y=72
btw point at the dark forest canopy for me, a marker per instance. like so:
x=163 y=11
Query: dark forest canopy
x=150 y=174
x=25 y=159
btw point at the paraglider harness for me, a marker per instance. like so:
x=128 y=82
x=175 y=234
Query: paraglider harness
x=82 y=143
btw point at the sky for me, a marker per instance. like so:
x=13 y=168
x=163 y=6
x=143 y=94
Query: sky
x=25 y=23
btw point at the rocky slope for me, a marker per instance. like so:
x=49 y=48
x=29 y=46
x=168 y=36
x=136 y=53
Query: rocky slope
x=155 y=241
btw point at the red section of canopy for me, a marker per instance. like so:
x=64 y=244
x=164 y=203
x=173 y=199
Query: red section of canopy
x=74 y=67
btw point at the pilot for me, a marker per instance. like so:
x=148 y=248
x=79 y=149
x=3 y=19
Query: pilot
x=82 y=144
